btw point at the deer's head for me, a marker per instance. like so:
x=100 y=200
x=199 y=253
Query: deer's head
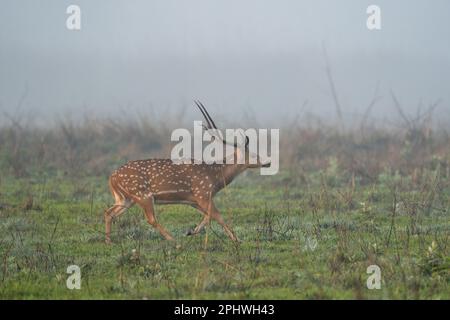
x=241 y=151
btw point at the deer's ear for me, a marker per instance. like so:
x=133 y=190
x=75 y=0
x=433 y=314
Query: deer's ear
x=247 y=141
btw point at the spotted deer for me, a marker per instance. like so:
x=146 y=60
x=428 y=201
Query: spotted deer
x=162 y=181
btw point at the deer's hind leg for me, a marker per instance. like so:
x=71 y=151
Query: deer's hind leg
x=120 y=206
x=122 y=202
x=149 y=209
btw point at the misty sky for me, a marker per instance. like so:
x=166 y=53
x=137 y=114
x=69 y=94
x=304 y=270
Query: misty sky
x=265 y=56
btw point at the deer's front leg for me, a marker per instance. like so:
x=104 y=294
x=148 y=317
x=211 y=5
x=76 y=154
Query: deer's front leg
x=213 y=213
x=218 y=217
x=202 y=224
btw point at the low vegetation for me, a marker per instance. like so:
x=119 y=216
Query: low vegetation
x=344 y=199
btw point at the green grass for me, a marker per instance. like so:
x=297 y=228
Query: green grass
x=400 y=225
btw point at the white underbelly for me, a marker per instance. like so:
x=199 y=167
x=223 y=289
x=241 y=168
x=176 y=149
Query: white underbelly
x=174 y=202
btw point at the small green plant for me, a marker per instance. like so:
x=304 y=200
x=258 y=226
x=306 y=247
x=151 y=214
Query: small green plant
x=434 y=262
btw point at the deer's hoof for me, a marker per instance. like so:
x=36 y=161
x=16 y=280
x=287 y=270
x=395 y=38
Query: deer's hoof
x=190 y=232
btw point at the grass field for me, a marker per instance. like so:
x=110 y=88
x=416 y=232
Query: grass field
x=341 y=203
x=309 y=236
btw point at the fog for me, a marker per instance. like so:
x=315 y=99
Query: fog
x=262 y=57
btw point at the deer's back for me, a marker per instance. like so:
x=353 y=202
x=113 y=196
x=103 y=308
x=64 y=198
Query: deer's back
x=168 y=181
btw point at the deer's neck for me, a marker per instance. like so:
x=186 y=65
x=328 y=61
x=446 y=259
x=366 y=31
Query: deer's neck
x=231 y=171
